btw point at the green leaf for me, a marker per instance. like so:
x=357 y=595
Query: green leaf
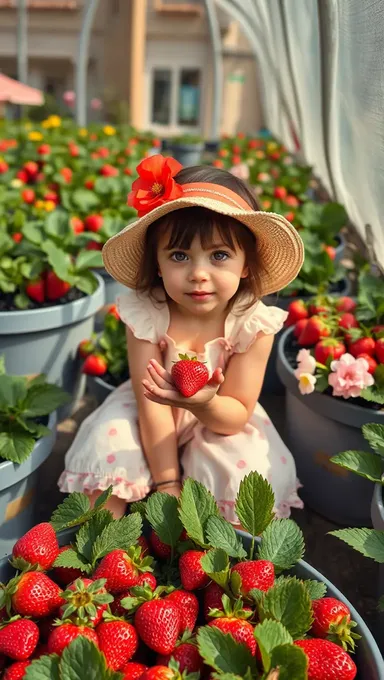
x=103 y=498
x=2 y=364
x=215 y=563
x=89 y=532
x=221 y=652
x=282 y=544
x=369 y=542
x=84 y=199
x=83 y=660
x=13 y=390
x=43 y=399
x=196 y=505
x=71 y=559
x=288 y=601
x=138 y=506
x=162 y=514
x=37 y=429
x=291 y=661
x=221 y=534
x=255 y=503
x=316 y=589
x=88 y=259
x=363 y=463
x=45 y=668
x=87 y=282
x=57 y=224
x=71 y=511
x=33 y=233
x=119 y=534
x=373 y=394
x=374 y=434
x=16 y=444
x=271 y=634
x=59 y=261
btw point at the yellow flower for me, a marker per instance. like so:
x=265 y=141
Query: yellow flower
x=51 y=122
x=83 y=132
x=35 y=136
x=39 y=204
x=49 y=205
x=271 y=146
x=260 y=154
x=109 y=130
x=16 y=183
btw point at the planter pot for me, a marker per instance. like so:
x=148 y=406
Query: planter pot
x=340 y=247
x=367 y=657
x=17 y=491
x=112 y=289
x=187 y=154
x=46 y=340
x=318 y=427
x=98 y=388
x=377 y=513
x=272 y=383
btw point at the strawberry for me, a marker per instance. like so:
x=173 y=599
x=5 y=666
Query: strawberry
x=379 y=350
x=86 y=347
x=128 y=171
x=103 y=152
x=292 y=201
x=93 y=222
x=189 y=375
x=16 y=671
x=331 y=252
x=158 y=673
x=345 y=304
x=258 y=574
x=63 y=635
x=133 y=670
x=108 y=171
x=55 y=287
x=66 y=575
x=34 y=594
x=38 y=546
x=122 y=569
x=36 y=290
x=31 y=168
x=232 y=620
x=378 y=331
x=296 y=311
x=28 y=196
x=51 y=196
x=348 y=320
x=112 y=310
x=313 y=331
x=66 y=174
x=299 y=327
x=280 y=193
x=329 y=348
x=160 y=549
x=3 y=167
x=327 y=661
x=212 y=599
x=191 y=572
x=118 y=641
x=74 y=150
x=17 y=236
x=142 y=541
x=94 y=364
x=332 y=620
x=147 y=579
x=372 y=364
x=44 y=150
x=93 y=245
x=188 y=606
x=186 y=655
x=85 y=601
x=158 y=624
x=18 y=639
x=89 y=183
x=22 y=175
x=362 y=346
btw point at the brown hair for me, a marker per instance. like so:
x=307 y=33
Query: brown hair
x=186 y=223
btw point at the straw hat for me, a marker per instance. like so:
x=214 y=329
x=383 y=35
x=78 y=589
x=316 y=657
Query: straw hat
x=279 y=246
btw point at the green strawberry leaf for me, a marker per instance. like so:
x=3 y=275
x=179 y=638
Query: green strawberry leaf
x=45 y=668
x=221 y=652
x=70 y=558
x=288 y=601
x=254 y=504
x=196 y=505
x=316 y=589
x=215 y=563
x=369 y=542
x=374 y=394
x=162 y=514
x=138 y=506
x=119 y=534
x=89 y=532
x=16 y=444
x=103 y=498
x=221 y=534
x=43 y=399
x=270 y=634
x=282 y=544
x=82 y=659
x=72 y=511
x=374 y=434
x=363 y=463
x=13 y=390
x=291 y=661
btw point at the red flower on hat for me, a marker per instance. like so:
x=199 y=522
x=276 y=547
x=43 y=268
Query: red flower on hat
x=155 y=184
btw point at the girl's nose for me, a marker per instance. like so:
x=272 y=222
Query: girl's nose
x=198 y=273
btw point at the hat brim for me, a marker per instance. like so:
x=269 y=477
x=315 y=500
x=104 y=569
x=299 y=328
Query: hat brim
x=279 y=245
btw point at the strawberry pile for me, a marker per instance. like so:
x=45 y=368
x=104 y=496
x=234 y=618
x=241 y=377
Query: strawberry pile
x=184 y=598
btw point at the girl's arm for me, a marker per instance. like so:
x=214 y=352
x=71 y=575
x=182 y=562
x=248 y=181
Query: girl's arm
x=156 y=422
x=230 y=409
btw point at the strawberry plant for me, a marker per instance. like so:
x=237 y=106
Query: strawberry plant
x=24 y=405
x=106 y=353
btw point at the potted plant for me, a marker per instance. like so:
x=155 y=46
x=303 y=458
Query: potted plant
x=27 y=435
x=331 y=364
x=219 y=570
x=187 y=149
x=105 y=356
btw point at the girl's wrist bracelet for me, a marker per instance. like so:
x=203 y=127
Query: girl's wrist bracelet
x=167 y=483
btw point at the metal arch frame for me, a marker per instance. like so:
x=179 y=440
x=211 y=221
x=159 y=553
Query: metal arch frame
x=82 y=61
x=218 y=69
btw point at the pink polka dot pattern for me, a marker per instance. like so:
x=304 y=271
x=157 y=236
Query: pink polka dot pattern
x=283 y=460
x=241 y=464
x=112 y=432
x=111 y=458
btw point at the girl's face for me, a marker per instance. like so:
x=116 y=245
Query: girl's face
x=201 y=280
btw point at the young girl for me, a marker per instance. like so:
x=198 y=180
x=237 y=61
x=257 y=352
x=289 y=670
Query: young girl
x=196 y=264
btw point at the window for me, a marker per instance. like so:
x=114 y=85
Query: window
x=189 y=97
x=161 y=97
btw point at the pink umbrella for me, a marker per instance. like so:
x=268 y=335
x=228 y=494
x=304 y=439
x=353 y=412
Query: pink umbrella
x=17 y=93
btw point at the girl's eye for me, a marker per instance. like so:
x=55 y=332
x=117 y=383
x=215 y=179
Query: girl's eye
x=179 y=256
x=220 y=256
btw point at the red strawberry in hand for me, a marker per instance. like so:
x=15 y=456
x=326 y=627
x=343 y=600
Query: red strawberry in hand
x=118 y=641
x=158 y=625
x=327 y=660
x=55 y=287
x=332 y=620
x=329 y=348
x=192 y=574
x=313 y=331
x=296 y=312
x=258 y=574
x=189 y=375
x=38 y=546
x=18 y=639
x=94 y=364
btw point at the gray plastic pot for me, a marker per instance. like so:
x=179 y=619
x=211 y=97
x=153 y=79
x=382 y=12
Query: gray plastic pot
x=340 y=248
x=377 y=512
x=187 y=154
x=272 y=383
x=318 y=427
x=98 y=388
x=45 y=340
x=112 y=289
x=18 y=488
x=368 y=658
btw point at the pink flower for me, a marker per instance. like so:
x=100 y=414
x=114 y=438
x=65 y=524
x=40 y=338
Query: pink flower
x=241 y=171
x=96 y=104
x=307 y=383
x=349 y=376
x=69 y=97
x=306 y=363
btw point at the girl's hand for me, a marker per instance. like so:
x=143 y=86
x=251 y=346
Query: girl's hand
x=161 y=389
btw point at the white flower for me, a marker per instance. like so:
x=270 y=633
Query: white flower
x=307 y=383
x=306 y=363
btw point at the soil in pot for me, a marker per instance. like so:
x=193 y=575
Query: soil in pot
x=7 y=301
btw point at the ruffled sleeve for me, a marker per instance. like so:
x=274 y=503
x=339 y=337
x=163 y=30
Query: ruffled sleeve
x=258 y=319
x=146 y=319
